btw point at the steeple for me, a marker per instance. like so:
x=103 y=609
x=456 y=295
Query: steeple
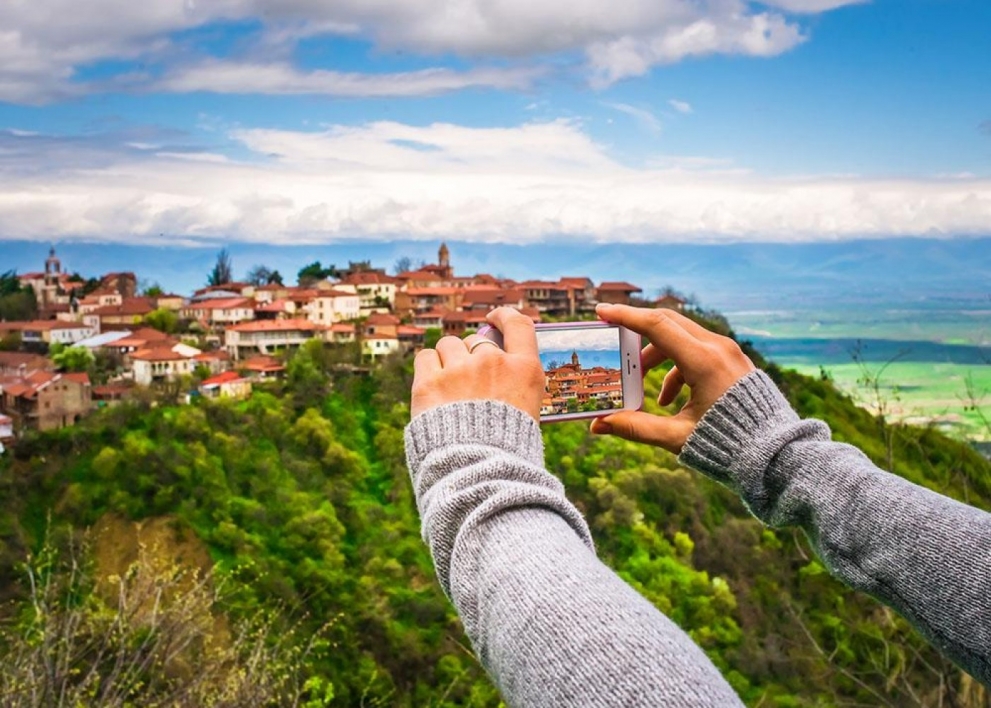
x=443 y=256
x=574 y=358
x=53 y=266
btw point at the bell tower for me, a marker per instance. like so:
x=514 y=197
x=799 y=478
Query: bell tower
x=574 y=359
x=444 y=260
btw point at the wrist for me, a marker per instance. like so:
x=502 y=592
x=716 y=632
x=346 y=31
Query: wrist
x=478 y=422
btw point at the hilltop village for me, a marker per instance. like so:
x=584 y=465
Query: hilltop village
x=88 y=343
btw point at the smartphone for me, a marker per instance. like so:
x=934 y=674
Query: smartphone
x=590 y=369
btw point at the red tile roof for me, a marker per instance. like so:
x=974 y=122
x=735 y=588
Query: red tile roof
x=368 y=279
x=382 y=318
x=130 y=306
x=275 y=326
x=263 y=363
x=226 y=377
x=227 y=303
x=620 y=286
x=158 y=354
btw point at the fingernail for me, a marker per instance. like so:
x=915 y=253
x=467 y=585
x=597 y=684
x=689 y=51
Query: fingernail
x=601 y=428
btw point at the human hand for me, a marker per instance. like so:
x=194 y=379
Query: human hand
x=708 y=363
x=476 y=368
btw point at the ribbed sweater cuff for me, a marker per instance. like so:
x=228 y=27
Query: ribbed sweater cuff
x=746 y=412
x=482 y=422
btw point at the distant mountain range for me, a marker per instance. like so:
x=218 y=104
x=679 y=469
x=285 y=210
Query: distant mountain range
x=726 y=277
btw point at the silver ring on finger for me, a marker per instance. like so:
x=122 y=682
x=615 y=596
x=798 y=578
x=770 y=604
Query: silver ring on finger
x=479 y=343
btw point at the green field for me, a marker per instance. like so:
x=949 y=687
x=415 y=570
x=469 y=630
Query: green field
x=919 y=392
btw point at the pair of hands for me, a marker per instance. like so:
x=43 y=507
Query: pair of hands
x=708 y=363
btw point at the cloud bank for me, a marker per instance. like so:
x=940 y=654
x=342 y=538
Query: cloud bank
x=535 y=181
x=46 y=45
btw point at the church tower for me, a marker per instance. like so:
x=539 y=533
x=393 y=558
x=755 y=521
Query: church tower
x=444 y=261
x=53 y=271
x=574 y=359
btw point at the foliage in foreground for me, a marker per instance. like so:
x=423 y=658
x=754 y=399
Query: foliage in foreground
x=302 y=497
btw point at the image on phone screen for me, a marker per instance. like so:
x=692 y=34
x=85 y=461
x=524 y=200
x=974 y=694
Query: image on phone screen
x=582 y=370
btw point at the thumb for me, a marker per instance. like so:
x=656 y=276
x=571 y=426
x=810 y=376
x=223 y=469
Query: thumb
x=668 y=432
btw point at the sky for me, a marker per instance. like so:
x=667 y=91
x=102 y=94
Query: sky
x=307 y=122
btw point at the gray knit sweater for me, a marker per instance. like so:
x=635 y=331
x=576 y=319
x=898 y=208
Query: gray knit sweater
x=556 y=627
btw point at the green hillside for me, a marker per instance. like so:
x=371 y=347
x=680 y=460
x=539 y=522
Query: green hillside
x=301 y=497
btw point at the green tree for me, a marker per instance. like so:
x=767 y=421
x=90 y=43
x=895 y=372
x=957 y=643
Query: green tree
x=16 y=302
x=432 y=336
x=223 y=270
x=73 y=358
x=153 y=290
x=163 y=320
x=315 y=271
x=10 y=342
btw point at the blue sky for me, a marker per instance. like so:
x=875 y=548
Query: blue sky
x=190 y=122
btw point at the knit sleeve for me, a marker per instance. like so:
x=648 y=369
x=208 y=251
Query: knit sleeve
x=552 y=625
x=921 y=553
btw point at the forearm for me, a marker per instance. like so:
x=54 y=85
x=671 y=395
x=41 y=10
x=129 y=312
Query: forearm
x=548 y=620
x=925 y=555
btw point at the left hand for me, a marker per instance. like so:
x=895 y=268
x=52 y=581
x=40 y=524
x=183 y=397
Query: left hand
x=465 y=370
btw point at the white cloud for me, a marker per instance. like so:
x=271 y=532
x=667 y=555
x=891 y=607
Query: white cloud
x=680 y=106
x=282 y=78
x=43 y=43
x=811 y=6
x=645 y=118
x=387 y=180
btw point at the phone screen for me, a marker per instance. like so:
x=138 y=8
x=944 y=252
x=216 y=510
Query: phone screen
x=582 y=370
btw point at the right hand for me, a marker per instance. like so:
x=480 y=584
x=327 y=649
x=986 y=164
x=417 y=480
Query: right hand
x=708 y=363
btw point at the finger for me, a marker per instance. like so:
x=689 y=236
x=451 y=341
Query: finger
x=668 y=432
x=673 y=383
x=670 y=339
x=518 y=335
x=451 y=350
x=651 y=357
x=426 y=362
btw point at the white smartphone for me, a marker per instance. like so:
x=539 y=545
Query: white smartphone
x=590 y=369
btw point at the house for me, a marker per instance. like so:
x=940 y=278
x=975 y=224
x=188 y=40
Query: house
x=141 y=338
x=616 y=293
x=550 y=298
x=216 y=361
x=161 y=364
x=97 y=299
x=39 y=334
x=670 y=301
x=169 y=301
x=328 y=307
x=111 y=394
x=431 y=319
x=217 y=313
x=20 y=363
x=340 y=333
x=411 y=338
x=584 y=293
x=130 y=312
x=376 y=346
x=267 y=336
x=229 y=384
x=381 y=324
x=412 y=301
x=483 y=299
x=263 y=367
x=457 y=324
x=45 y=400
x=275 y=309
x=376 y=291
